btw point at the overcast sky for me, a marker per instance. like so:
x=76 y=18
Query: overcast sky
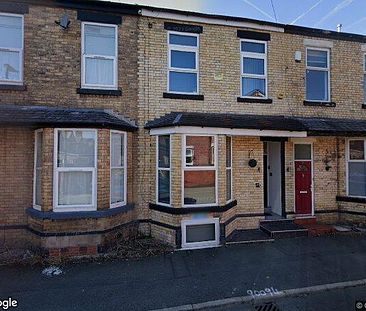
x=312 y=13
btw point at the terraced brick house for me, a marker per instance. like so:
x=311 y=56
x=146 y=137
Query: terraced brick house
x=188 y=127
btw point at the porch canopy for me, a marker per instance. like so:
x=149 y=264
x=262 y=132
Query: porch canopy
x=254 y=125
x=43 y=116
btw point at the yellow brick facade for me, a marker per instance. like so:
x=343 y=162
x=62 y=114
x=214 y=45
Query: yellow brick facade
x=52 y=65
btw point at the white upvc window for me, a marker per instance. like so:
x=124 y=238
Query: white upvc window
x=163 y=170
x=229 y=169
x=75 y=170
x=118 y=169
x=189 y=155
x=356 y=167
x=200 y=233
x=37 y=176
x=11 y=48
x=99 y=56
x=183 y=63
x=200 y=173
x=253 y=68
x=318 y=74
x=364 y=78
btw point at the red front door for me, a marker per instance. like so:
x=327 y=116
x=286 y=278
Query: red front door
x=303 y=195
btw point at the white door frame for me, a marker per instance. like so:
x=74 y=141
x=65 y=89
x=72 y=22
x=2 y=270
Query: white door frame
x=281 y=168
x=312 y=178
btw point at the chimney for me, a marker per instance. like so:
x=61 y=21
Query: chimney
x=339 y=27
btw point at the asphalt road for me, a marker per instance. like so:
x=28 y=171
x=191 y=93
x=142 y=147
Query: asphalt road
x=187 y=277
x=337 y=300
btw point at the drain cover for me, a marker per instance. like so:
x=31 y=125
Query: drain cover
x=269 y=306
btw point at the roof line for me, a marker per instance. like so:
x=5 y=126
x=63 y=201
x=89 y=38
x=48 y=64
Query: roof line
x=113 y=6
x=288 y=28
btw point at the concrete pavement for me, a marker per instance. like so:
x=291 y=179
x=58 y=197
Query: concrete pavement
x=187 y=277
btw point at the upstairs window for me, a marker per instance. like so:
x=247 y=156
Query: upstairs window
x=253 y=68
x=356 y=168
x=11 y=48
x=317 y=75
x=183 y=63
x=99 y=56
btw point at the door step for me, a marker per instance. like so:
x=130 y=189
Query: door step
x=305 y=220
x=285 y=228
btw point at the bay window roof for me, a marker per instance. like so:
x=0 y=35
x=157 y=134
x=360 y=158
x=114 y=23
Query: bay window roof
x=312 y=126
x=43 y=116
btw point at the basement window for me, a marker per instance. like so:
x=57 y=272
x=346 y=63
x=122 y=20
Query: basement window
x=183 y=63
x=99 y=56
x=11 y=48
x=200 y=233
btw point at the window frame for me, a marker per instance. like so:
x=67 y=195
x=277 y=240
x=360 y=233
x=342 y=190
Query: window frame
x=183 y=48
x=364 y=78
x=348 y=160
x=57 y=170
x=263 y=56
x=163 y=169
x=230 y=168
x=84 y=56
x=203 y=244
x=199 y=168
x=36 y=169
x=124 y=167
x=318 y=69
x=192 y=155
x=18 y=50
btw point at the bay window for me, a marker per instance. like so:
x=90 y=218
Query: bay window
x=229 y=174
x=75 y=169
x=253 y=68
x=99 y=55
x=163 y=170
x=11 y=48
x=317 y=74
x=199 y=173
x=118 y=175
x=364 y=78
x=183 y=63
x=356 y=168
x=37 y=178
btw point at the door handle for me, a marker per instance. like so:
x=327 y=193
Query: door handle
x=303 y=192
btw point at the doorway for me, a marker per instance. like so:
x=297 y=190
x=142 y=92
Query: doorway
x=303 y=179
x=273 y=179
